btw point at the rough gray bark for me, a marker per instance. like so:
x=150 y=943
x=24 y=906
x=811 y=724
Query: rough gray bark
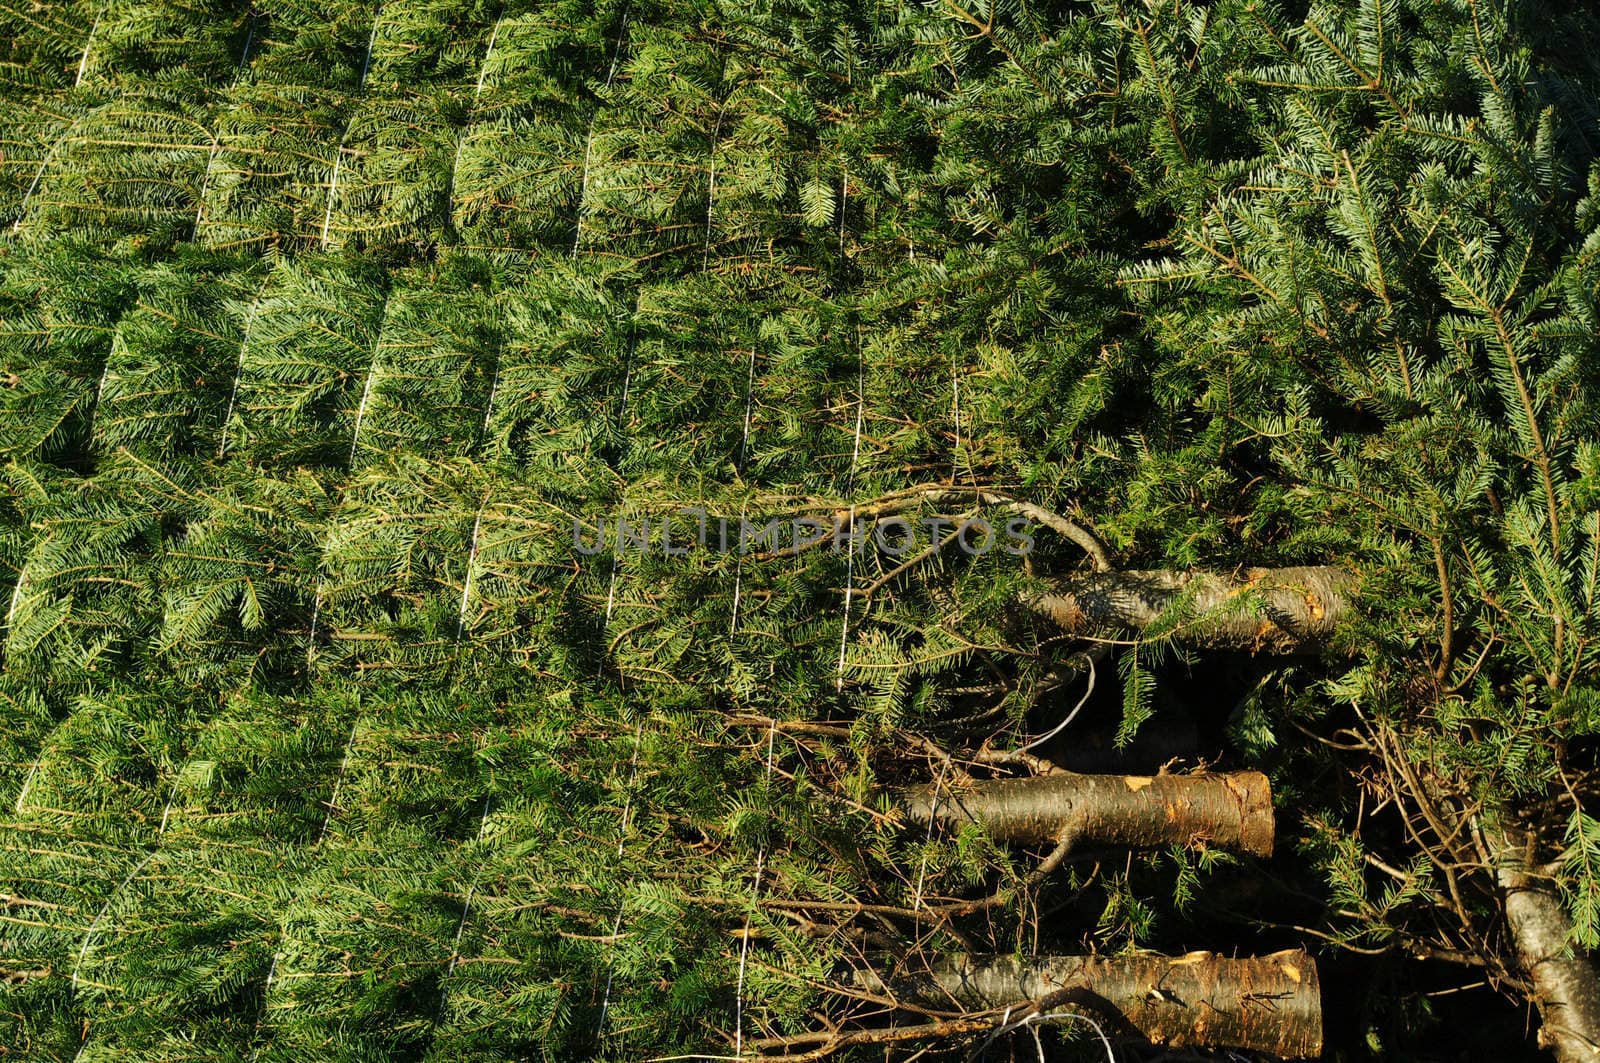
x=1278 y=610
x=1231 y=810
x=1259 y=1004
x=1565 y=989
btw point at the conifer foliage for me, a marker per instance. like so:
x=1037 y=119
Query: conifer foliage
x=417 y=420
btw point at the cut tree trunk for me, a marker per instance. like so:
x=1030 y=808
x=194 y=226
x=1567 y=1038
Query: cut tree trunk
x=1277 y=610
x=1267 y=1004
x=1565 y=989
x=1231 y=810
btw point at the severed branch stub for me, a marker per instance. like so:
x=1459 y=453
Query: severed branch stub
x=1277 y=610
x=1269 y=1004
x=1564 y=986
x=1232 y=810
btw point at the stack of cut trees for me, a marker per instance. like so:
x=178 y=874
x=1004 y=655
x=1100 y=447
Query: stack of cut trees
x=1270 y=1004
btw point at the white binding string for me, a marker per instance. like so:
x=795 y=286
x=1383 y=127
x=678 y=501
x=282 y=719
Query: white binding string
x=88 y=935
x=1062 y=726
x=466 y=906
x=361 y=407
x=733 y=623
x=494 y=390
x=277 y=952
x=477 y=521
x=100 y=385
x=477 y=91
x=16 y=594
x=338 y=156
x=711 y=185
x=755 y=906
x=316 y=614
x=955 y=407
x=350 y=464
x=488 y=55
x=616 y=554
x=627 y=372
x=855 y=457
x=622 y=420
x=1031 y=1022
x=11 y=614
x=44 y=164
x=338 y=783
x=738 y=468
x=266 y=991
x=850 y=542
x=373 y=368
x=588 y=139
x=27 y=784
x=933 y=817
x=494 y=383
x=333 y=192
x=622 y=837
x=938 y=783
x=83 y=64
x=172 y=795
x=616 y=563
x=472 y=561
x=738 y=575
x=238 y=373
x=216 y=142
